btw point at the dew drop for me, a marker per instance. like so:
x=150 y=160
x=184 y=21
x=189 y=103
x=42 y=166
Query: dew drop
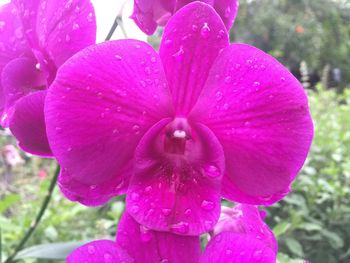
x=181 y=228
x=143 y=83
x=76 y=26
x=257 y=254
x=179 y=54
x=205 y=30
x=208 y=224
x=148 y=189
x=108 y=258
x=227 y=12
x=148 y=70
x=118 y=57
x=67 y=38
x=153 y=59
x=227 y=79
x=2 y=25
x=164 y=260
x=90 y=17
x=136 y=129
x=194 y=28
x=207 y=205
x=145 y=234
x=218 y=95
x=134 y=209
x=188 y=212
x=212 y=171
x=283 y=79
x=256 y=84
x=166 y=211
x=91 y=249
x=93 y=187
x=38 y=66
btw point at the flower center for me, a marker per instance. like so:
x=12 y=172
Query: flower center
x=177 y=133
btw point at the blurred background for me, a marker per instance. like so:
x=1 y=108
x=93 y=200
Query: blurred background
x=310 y=37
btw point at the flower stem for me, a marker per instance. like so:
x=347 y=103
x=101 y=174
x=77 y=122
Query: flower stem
x=38 y=218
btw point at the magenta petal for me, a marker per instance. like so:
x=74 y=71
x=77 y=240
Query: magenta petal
x=227 y=9
x=65 y=27
x=19 y=78
x=99 y=251
x=177 y=193
x=237 y=248
x=12 y=41
x=102 y=102
x=143 y=16
x=27 y=123
x=245 y=219
x=145 y=245
x=58 y=28
x=94 y=195
x=191 y=42
x=260 y=114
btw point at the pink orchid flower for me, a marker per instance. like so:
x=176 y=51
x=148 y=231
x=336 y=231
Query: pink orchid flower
x=177 y=131
x=136 y=243
x=36 y=37
x=148 y=14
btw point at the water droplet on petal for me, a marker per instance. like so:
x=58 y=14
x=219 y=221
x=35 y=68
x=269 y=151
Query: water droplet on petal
x=194 y=28
x=207 y=205
x=257 y=255
x=227 y=79
x=256 y=84
x=166 y=211
x=205 y=30
x=134 y=209
x=208 y=224
x=67 y=38
x=145 y=234
x=212 y=171
x=148 y=70
x=76 y=26
x=188 y=212
x=108 y=258
x=179 y=54
x=136 y=129
x=218 y=95
x=91 y=249
x=164 y=260
x=181 y=228
x=283 y=79
x=118 y=57
x=148 y=189
x=227 y=12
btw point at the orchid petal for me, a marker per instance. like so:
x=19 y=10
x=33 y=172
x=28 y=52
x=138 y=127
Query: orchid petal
x=238 y=248
x=177 y=194
x=19 y=78
x=102 y=102
x=227 y=9
x=143 y=16
x=27 y=123
x=12 y=43
x=145 y=245
x=245 y=219
x=60 y=28
x=259 y=112
x=191 y=42
x=99 y=251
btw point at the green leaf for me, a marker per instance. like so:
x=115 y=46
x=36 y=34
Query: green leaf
x=281 y=228
x=50 y=251
x=295 y=247
x=8 y=201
